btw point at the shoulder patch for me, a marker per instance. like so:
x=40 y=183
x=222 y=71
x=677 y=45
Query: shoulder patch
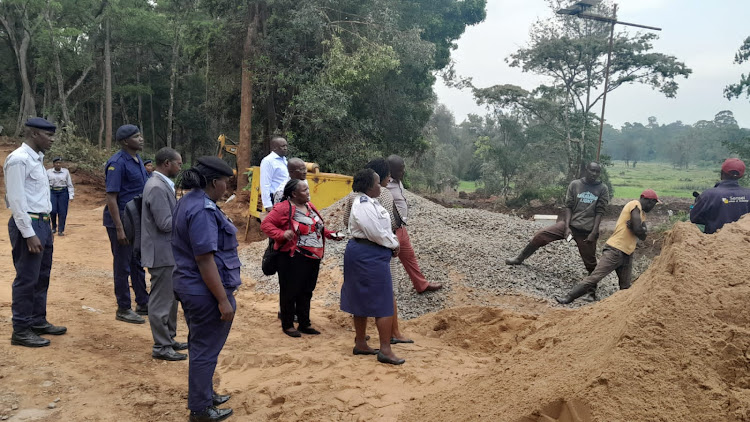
x=362 y=199
x=110 y=168
x=209 y=204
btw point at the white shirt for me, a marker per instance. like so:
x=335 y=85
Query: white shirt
x=273 y=173
x=61 y=179
x=369 y=220
x=399 y=200
x=167 y=179
x=26 y=187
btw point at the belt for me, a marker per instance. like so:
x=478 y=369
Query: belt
x=39 y=216
x=59 y=189
x=367 y=242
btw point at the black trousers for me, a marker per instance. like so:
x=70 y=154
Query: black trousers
x=298 y=276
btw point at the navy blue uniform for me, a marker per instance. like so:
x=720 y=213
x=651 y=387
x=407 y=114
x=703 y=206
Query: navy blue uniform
x=126 y=176
x=722 y=204
x=200 y=227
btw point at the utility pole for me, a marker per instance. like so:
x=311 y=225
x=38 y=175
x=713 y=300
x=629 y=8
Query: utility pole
x=579 y=9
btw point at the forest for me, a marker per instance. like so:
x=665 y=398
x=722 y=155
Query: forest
x=343 y=81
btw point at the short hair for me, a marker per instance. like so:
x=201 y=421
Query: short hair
x=395 y=160
x=363 y=180
x=295 y=162
x=380 y=166
x=165 y=154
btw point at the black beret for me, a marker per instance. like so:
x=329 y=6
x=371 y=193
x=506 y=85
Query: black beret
x=39 y=123
x=126 y=131
x=216 y=164
x=147 y=162
x=56 y=159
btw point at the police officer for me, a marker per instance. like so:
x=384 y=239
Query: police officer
x=125 y=179
x=206 y=275
x=61 y=192
x=149 y=165
x=724 y=203
x=28 y=197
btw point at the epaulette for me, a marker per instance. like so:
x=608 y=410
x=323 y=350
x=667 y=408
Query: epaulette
x=209 y=204
x=362 y=199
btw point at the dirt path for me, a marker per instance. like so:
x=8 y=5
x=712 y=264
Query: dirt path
x=102 y=370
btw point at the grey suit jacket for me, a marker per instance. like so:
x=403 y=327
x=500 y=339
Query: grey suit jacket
x=156 y=223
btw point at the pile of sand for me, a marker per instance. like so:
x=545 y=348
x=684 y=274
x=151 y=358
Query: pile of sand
x=673 y=347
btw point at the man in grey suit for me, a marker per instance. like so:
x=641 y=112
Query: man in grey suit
x=156 y=254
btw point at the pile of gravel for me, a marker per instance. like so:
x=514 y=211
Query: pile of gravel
x=465 y=250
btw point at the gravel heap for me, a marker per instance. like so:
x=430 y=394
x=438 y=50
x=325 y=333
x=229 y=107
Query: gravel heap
x=465 y=250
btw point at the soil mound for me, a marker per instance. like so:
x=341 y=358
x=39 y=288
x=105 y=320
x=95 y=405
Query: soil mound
x=675 y=347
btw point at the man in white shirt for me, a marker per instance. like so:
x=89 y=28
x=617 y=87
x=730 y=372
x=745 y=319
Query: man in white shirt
x=273 y=171
x=159 y=201
x=401 y=213
x=61 y=192
x=28 y=197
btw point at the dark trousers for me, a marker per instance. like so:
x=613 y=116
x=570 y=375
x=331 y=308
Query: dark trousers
x=298 y=276
x=162 y=309
x=30 y=286
x=124 y=265
x=612 y=260
x=557 y=232
x=59 y=214
x=207 y=334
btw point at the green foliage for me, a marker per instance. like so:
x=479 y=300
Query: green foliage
x=80 y=151
x=743 y=86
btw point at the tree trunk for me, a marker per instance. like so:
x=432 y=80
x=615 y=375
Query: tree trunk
x=101 y=115
x=107 y=86
x=172 y=81
x=140 y=96
x=246 y=101
x=58 y=74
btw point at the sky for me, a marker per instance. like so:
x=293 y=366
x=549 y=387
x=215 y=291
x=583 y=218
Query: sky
x=705 y=35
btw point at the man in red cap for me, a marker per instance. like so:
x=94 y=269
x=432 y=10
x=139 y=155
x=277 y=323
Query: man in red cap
x=619 y=248
x=726 y=202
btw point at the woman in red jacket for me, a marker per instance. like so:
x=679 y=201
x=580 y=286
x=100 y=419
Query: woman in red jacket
x=298 y=232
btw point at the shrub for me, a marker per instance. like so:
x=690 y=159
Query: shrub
x=84 y=154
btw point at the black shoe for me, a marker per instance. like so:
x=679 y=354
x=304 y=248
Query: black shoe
x=54 y=229
x=27 y=338
x=48 y=328
x=221 y=398
x=170 y=356
x=292 y=332
x=210 y=414
x=179 y=346
x=127 y=315
x=61 y=234
x=141 y=310
x=309 y=330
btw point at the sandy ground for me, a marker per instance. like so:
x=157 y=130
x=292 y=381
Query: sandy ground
x=102 y=369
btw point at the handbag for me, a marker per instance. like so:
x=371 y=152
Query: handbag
x=270 y=262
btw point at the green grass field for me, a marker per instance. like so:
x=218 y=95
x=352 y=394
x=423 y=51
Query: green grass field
x=629 y=182
x=467 y=186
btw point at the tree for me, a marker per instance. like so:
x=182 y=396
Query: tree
x=573 y=53
x=743 y=86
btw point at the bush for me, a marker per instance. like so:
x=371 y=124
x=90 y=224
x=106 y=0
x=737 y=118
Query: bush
x=84 y=154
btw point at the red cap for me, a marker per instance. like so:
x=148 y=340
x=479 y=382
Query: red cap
x=649 y=194
x=733 y=165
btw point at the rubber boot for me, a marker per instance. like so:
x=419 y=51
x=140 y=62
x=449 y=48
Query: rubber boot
x=527 y=251
x=577 y=291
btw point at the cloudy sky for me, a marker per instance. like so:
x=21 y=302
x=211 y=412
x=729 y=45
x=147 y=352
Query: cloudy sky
x=703 y=34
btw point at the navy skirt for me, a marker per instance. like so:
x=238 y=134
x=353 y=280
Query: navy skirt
x=367 y=290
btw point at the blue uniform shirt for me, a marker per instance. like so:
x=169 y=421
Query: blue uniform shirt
x=200 y=227
x=722 y=204
x=127 y=177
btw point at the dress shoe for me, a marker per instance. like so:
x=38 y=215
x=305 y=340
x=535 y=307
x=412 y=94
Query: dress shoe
x=309 y=330
x=170 y=355
x=221 y=398
x=127 y=315
x=141 y=310
x=431 y=287
x=179 y=346
x=291 y=332
x=210 y=414
x=27 y=338
x=61 y=234
x=48 y=328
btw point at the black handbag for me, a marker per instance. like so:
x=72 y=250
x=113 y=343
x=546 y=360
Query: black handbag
x=270 y=263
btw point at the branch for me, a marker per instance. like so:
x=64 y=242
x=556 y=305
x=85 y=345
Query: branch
x=79 y=81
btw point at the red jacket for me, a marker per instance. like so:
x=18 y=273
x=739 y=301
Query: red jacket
x=277 y=222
